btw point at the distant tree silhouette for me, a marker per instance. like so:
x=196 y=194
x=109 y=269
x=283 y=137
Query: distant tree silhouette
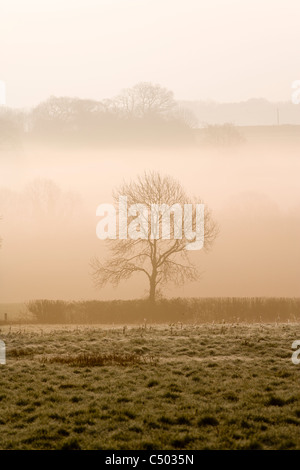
x=145 y=99
x=225 y=135
x=66 y=117
x=145 y=113
x=47 y=202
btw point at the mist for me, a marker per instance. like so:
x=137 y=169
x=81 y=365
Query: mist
x=48 y=201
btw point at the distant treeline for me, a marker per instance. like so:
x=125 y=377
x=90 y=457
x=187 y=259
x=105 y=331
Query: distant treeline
x=144 y=114
x=194 y=310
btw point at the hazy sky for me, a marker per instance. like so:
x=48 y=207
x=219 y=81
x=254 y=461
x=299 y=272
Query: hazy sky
x=225 y=50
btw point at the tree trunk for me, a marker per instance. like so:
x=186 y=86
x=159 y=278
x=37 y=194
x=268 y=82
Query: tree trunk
x=153 y=275
x=152 y=289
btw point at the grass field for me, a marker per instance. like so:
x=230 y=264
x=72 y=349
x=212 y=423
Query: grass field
x=213 y=386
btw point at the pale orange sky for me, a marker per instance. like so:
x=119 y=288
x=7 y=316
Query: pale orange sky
x=225 y=50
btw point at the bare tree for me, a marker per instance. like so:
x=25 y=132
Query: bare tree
x=46 y=201
x=44 y=197
x=145 y=99
x=224 y=135
x=160 y=260
x=186 y=117
x=67 y=116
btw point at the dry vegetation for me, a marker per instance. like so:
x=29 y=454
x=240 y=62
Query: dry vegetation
x=222 y=386
x=195 y=310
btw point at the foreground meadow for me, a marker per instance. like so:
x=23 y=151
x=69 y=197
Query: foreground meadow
x=221 y=386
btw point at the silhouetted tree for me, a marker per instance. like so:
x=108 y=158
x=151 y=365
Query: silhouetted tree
x=144 y=99
x=225 y=135
x=46 y=201
x=66 y=117
x=160 y=260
